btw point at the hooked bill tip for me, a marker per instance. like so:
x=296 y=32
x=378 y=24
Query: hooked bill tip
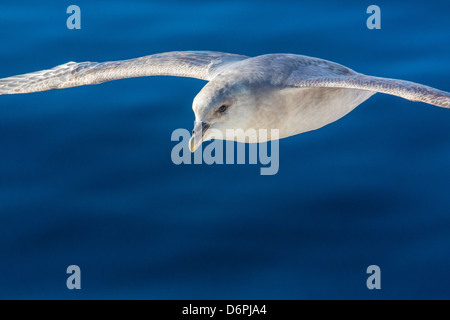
x=191 y=144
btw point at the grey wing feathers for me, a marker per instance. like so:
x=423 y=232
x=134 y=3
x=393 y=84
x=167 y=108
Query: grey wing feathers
x=194 y=64
x=404 y=89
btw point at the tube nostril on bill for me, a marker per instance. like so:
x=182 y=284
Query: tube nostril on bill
x=205 y=127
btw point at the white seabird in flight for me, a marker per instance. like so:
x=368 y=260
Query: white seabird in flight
x=288 y=92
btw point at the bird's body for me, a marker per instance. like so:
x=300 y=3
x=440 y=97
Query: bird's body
x=291 y=93
x=289 y=109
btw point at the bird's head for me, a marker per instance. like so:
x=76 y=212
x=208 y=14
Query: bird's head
x=224 y=104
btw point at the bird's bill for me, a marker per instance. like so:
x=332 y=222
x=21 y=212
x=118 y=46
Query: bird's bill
x=194 y=144
x=197 y=135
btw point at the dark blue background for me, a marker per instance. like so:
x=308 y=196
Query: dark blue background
x=86 y=176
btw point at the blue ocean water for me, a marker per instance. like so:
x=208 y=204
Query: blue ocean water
x=86 y=176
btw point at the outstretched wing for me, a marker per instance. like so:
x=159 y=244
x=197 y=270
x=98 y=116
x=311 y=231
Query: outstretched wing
x=194 y=64
x=353 y=80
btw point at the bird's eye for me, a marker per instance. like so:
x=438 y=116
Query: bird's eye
x=222 y=108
